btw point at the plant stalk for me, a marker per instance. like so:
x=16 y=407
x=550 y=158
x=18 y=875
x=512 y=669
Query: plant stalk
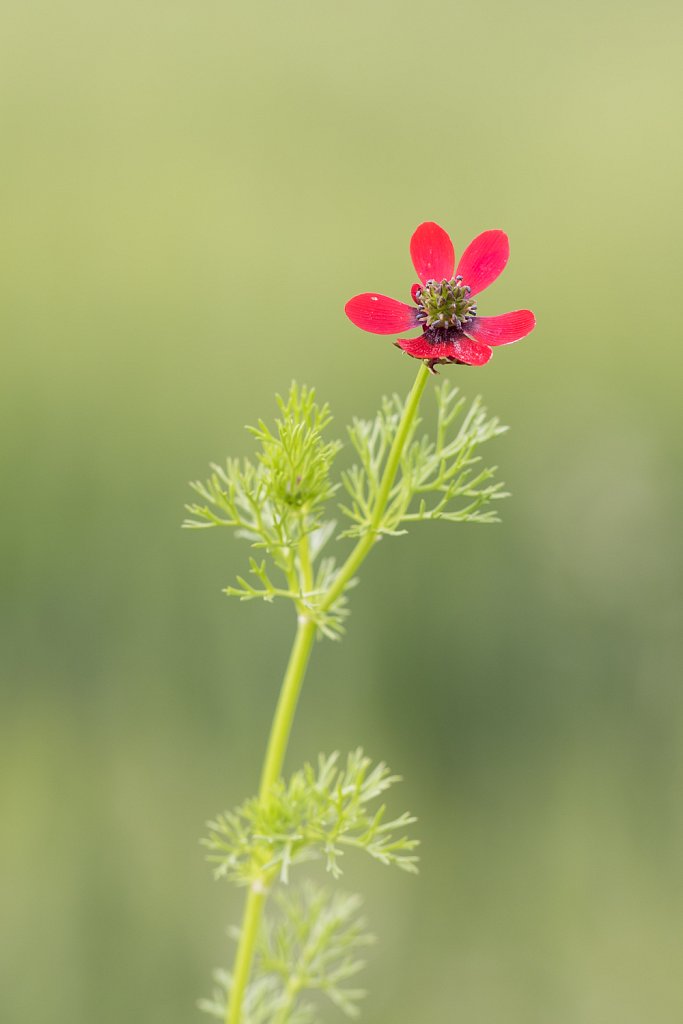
x=272 y=767
x=362 y=548
x=293 y=680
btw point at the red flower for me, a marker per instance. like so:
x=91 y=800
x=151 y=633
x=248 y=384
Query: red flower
x=445 y=305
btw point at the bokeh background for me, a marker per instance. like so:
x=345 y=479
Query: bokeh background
x=190 y=192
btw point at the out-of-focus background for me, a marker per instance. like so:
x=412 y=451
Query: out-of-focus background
x=190 y=193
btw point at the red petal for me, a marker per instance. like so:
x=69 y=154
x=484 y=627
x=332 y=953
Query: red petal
x=379 y=314
x=483 y=260
x=432 y=253
x=461 y=350
x=501 y=330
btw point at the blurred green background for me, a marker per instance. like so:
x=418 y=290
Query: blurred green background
x=190 y=193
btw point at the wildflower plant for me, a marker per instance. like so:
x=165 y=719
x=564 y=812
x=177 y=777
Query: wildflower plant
x=290 y=506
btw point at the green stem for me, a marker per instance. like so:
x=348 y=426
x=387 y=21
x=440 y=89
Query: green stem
x=251 y=920
x=306 y=575
x=272 y=767
x=360 y=552
x=286 y=705
x=291 y=992
x=292 y=682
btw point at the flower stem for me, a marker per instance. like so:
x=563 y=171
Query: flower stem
x=251 y=920
x=286 y=705
x=292 y=682
x=360 y=552
x=272 y=767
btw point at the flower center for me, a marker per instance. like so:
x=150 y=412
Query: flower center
x=445 y=303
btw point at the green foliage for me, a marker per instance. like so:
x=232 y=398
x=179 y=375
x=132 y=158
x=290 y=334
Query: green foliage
x=311 y=944
x=277 y=501
x=295 y=459
x=262 y=1000
x=437 y=478
x=329 y=622
x=314 y=944
x=318 y=813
